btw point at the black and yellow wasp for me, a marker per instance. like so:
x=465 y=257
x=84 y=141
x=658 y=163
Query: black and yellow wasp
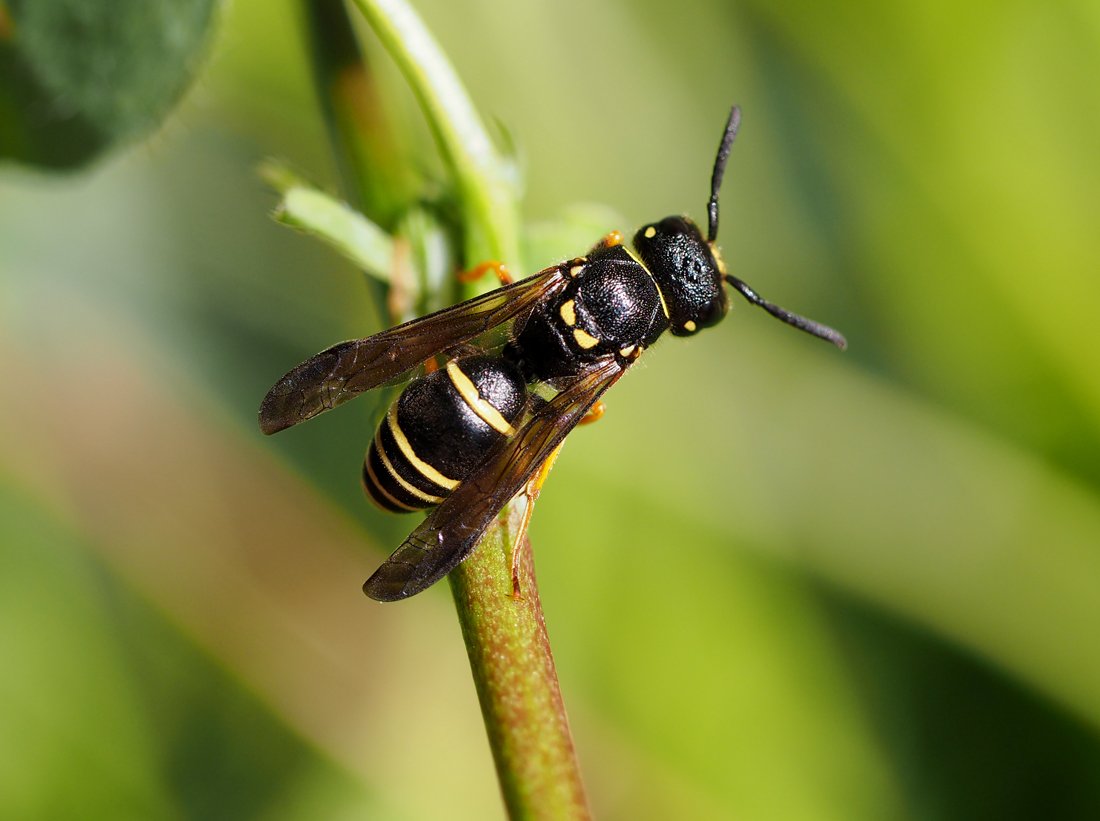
x=467 y=437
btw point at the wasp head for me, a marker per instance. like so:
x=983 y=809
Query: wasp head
x=688 y=271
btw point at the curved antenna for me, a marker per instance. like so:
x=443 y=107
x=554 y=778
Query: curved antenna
x=800 y=322
x=732 y=124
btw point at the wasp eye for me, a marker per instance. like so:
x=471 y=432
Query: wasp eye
x=712 y=313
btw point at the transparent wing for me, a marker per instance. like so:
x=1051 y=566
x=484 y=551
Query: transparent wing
x=454 y=528
x=343 y=371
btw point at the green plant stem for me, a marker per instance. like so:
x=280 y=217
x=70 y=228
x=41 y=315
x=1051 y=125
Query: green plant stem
x=505 y=634
x=516 y=680
x=366 y=158
x=486 y=186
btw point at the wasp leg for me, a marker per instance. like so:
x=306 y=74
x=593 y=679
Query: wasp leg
x=478 y=271
x=595 y=413
x=609 y=241
x=531 y=493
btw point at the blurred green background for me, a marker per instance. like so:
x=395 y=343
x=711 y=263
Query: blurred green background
x=781 y=582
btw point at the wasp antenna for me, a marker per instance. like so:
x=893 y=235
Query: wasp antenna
x=732 y=124
x=800 y=322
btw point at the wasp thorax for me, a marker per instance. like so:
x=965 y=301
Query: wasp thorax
x=685 y=268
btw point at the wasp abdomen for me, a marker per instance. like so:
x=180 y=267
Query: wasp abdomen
x=440 y=429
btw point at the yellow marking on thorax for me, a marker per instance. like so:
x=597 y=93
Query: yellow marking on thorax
x=585 y=339
x=660 y=293
x=468 y=391
x=650 y=232
x=377 y=486
x=422 y=467
x=689 y=326
x=627 y=351
x=388 y=465
x=569 y=313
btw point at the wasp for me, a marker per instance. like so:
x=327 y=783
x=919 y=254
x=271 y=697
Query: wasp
x=467 y=436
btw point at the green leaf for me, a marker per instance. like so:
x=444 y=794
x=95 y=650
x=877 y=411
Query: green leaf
x=78 y=77
x=332 y=221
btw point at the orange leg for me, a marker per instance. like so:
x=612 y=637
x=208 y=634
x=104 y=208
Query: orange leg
x=531 y=491
x=595 y=413
x=478 y=271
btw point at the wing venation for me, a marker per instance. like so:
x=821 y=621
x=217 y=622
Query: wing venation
x=343 y=371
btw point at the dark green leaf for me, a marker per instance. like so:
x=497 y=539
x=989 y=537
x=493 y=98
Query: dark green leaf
x=80 y=76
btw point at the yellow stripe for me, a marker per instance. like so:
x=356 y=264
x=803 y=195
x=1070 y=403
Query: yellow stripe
x=664 y=305
x=468 y=391
x=388 y=465
x=376 y=485
x=721 y=263
x=422 y=467
x=568 y=313
x=585 y=339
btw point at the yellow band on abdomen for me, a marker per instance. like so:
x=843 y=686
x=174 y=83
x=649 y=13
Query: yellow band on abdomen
x=468 y=391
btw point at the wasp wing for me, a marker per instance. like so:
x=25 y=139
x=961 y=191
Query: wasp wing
x=453 y=529
x=343 y=371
